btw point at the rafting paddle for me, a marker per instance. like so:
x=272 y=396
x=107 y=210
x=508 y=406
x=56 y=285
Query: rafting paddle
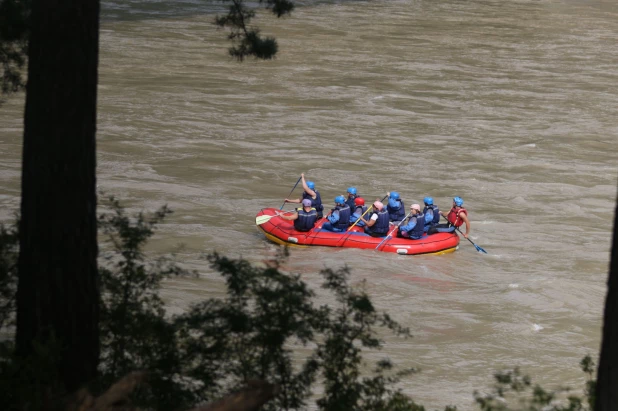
x=478 y=248
x=299 y=178
x=261 y=219
x=391 y=233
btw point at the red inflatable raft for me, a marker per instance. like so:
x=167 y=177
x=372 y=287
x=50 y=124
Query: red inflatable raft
x=282 y=231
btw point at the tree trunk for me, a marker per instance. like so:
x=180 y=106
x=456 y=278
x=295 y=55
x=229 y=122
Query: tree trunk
x=58 y=295
x=607 y=373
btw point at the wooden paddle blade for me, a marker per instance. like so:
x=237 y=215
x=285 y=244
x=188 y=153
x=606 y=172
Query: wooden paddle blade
x=262 y=219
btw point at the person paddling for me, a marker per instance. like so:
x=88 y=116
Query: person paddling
x=431 y=212
x=352 y=196
x=304 y=217
x=359 y=210
x=456 y=217
x=378 y=224
x=396 y=208
x=415 y=226
x=309 y=193
x=339 y=217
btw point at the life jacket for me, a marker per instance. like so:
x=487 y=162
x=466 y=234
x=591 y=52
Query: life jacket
x=432 y=215
x=315 y=203
x=381 y=225
x=306 y=219
x=350 y=202
x=396 y=213
x=344 y=217
x=419 y=228
x=453 y=216
x=358 y=212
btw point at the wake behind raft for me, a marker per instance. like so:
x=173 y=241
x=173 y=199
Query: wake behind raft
x=282 y=231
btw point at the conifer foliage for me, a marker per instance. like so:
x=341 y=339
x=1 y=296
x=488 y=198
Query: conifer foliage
x=247 y=40
x=14 y=33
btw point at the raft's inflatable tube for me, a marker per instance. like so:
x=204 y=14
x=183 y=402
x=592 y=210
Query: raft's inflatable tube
x=282 y=231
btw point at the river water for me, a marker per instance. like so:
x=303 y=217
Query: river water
x=508 y=104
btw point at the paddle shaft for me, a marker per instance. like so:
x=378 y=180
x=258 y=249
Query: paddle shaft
x=299 y=178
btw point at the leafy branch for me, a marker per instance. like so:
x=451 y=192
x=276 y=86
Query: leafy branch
x=14 y=34
x=247 y=40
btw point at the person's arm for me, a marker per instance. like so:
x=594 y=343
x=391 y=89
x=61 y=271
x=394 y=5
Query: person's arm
x=297 y=200
x=306 y=187
x=288 y=217
x=333 y=217
x=410 y=225
x=371 y=221
x=464 y=218
x=445 y=213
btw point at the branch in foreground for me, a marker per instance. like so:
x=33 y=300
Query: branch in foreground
x=249 y=398
x=117 y=394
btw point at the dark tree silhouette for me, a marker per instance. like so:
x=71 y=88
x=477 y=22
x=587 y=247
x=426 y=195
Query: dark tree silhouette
x=606 y=396
x=58 y=296
x=14 y=21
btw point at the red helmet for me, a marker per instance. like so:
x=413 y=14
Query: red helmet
x=359 y=201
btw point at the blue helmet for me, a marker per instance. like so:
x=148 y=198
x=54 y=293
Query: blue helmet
x=428 y=201
x=394 y=195
x=340 y=200
x=352 y=190
x=458 y=201
x=311 y=185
